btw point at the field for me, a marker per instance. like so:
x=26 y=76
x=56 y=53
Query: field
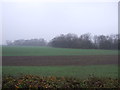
x=60 y=61
x=47 y=51
x=81 y=72
x=59 y=67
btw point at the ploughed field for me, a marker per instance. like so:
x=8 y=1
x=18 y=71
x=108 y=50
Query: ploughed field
x=47 y=61
x=59 y=60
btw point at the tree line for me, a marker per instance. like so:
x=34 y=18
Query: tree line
x=84 y=41
x=31 y=42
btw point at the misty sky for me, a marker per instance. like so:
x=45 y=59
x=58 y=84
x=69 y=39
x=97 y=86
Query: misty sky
x=49 y=19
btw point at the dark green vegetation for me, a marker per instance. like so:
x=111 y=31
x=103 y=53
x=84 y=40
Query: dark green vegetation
x=31 y=81
x=47 y=51
x=66 y=71
x=86 y=41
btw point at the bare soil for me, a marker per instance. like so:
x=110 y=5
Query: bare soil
x=59 y=60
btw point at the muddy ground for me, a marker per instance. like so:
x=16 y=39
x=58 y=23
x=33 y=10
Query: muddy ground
x=58 y=60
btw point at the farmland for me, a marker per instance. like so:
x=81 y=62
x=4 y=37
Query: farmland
x=66 y=71
x=59 y=61
x=48 y=51
x=51 y=63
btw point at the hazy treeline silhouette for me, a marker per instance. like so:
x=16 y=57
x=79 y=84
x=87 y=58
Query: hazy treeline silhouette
x=31 y=42
x=84 y=41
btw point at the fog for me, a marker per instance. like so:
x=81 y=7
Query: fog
x=49 y=19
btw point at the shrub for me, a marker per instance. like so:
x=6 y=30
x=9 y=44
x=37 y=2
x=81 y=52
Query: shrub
x=32 y=81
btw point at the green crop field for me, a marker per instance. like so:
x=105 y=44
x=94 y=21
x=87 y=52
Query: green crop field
x=67 y=71
x=47 y=51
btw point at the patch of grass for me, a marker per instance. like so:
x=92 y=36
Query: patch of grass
x=47 y=51
x=66 y=71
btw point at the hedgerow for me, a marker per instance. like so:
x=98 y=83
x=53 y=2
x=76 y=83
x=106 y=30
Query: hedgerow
x=37 y=82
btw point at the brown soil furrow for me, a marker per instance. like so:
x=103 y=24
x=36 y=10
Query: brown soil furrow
x=58 y=60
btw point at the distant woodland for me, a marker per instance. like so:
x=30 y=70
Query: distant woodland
x=84 y=41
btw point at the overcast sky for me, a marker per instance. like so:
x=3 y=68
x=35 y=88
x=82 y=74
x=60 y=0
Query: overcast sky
x=32 y=19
